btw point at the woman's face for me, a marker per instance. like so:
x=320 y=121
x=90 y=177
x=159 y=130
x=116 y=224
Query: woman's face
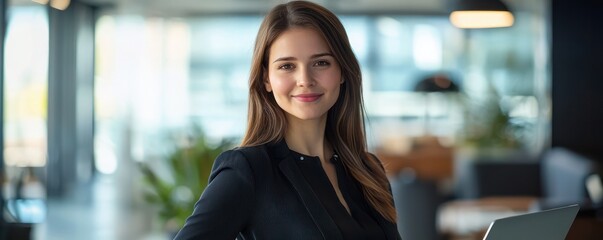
x=303 y=74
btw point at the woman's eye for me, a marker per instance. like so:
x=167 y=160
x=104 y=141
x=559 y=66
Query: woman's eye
x=286 y=66
x=321 y=63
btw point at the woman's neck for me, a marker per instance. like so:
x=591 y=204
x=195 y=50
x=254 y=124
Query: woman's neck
x=308 y=137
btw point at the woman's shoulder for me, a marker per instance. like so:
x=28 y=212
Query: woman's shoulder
x=250 y=156
x=255 y=153
x=243 y=151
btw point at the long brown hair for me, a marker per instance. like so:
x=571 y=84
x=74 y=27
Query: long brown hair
x=267 y=123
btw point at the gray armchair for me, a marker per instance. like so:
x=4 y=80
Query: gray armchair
x=564 y=177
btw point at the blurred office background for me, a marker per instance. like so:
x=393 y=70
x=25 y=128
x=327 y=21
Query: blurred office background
x=107 y=105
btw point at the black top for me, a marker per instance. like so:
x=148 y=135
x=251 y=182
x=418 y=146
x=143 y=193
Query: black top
x=360 y=224
x=260 y=193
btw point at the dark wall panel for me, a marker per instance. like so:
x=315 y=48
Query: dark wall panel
x=577 y=76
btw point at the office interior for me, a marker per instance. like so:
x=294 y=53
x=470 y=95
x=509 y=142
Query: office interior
x=113 y=110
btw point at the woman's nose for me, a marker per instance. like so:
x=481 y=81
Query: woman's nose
x=305 y=78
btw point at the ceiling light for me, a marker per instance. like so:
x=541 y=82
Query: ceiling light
x=481 y=14
x=60 y=4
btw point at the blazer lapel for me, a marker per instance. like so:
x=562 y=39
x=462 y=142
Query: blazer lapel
x=319 y=214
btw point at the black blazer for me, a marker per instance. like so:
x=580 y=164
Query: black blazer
x=260 y=193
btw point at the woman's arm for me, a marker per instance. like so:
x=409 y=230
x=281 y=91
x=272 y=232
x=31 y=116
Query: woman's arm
x=226 y=204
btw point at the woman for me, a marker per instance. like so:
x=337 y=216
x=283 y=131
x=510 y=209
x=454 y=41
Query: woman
x=302 y=171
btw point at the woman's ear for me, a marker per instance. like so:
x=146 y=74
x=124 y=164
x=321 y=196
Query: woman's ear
x=266 y=81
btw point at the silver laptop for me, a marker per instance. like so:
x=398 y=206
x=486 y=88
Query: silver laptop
x=550 y=224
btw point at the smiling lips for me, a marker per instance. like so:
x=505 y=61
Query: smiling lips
x=308 y=97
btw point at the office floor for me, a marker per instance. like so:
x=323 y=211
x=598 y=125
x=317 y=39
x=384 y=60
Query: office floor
x=104 y=209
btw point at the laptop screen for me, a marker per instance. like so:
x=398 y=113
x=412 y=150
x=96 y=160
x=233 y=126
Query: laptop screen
x=550 y=224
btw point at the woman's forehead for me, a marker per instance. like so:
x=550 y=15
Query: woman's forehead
x=298 y=42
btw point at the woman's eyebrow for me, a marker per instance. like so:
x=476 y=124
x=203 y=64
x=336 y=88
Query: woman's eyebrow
x=311 y=57
x=321 y=55
x=284 y=59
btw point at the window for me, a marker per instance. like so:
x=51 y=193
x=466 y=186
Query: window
x=25 y=102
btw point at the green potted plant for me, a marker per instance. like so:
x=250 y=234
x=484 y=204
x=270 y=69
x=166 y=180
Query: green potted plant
x=189 y=165
x=489 y=137
x=488 y=126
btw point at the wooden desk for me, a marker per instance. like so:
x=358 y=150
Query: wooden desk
x=428 y=161
x=586 y=227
